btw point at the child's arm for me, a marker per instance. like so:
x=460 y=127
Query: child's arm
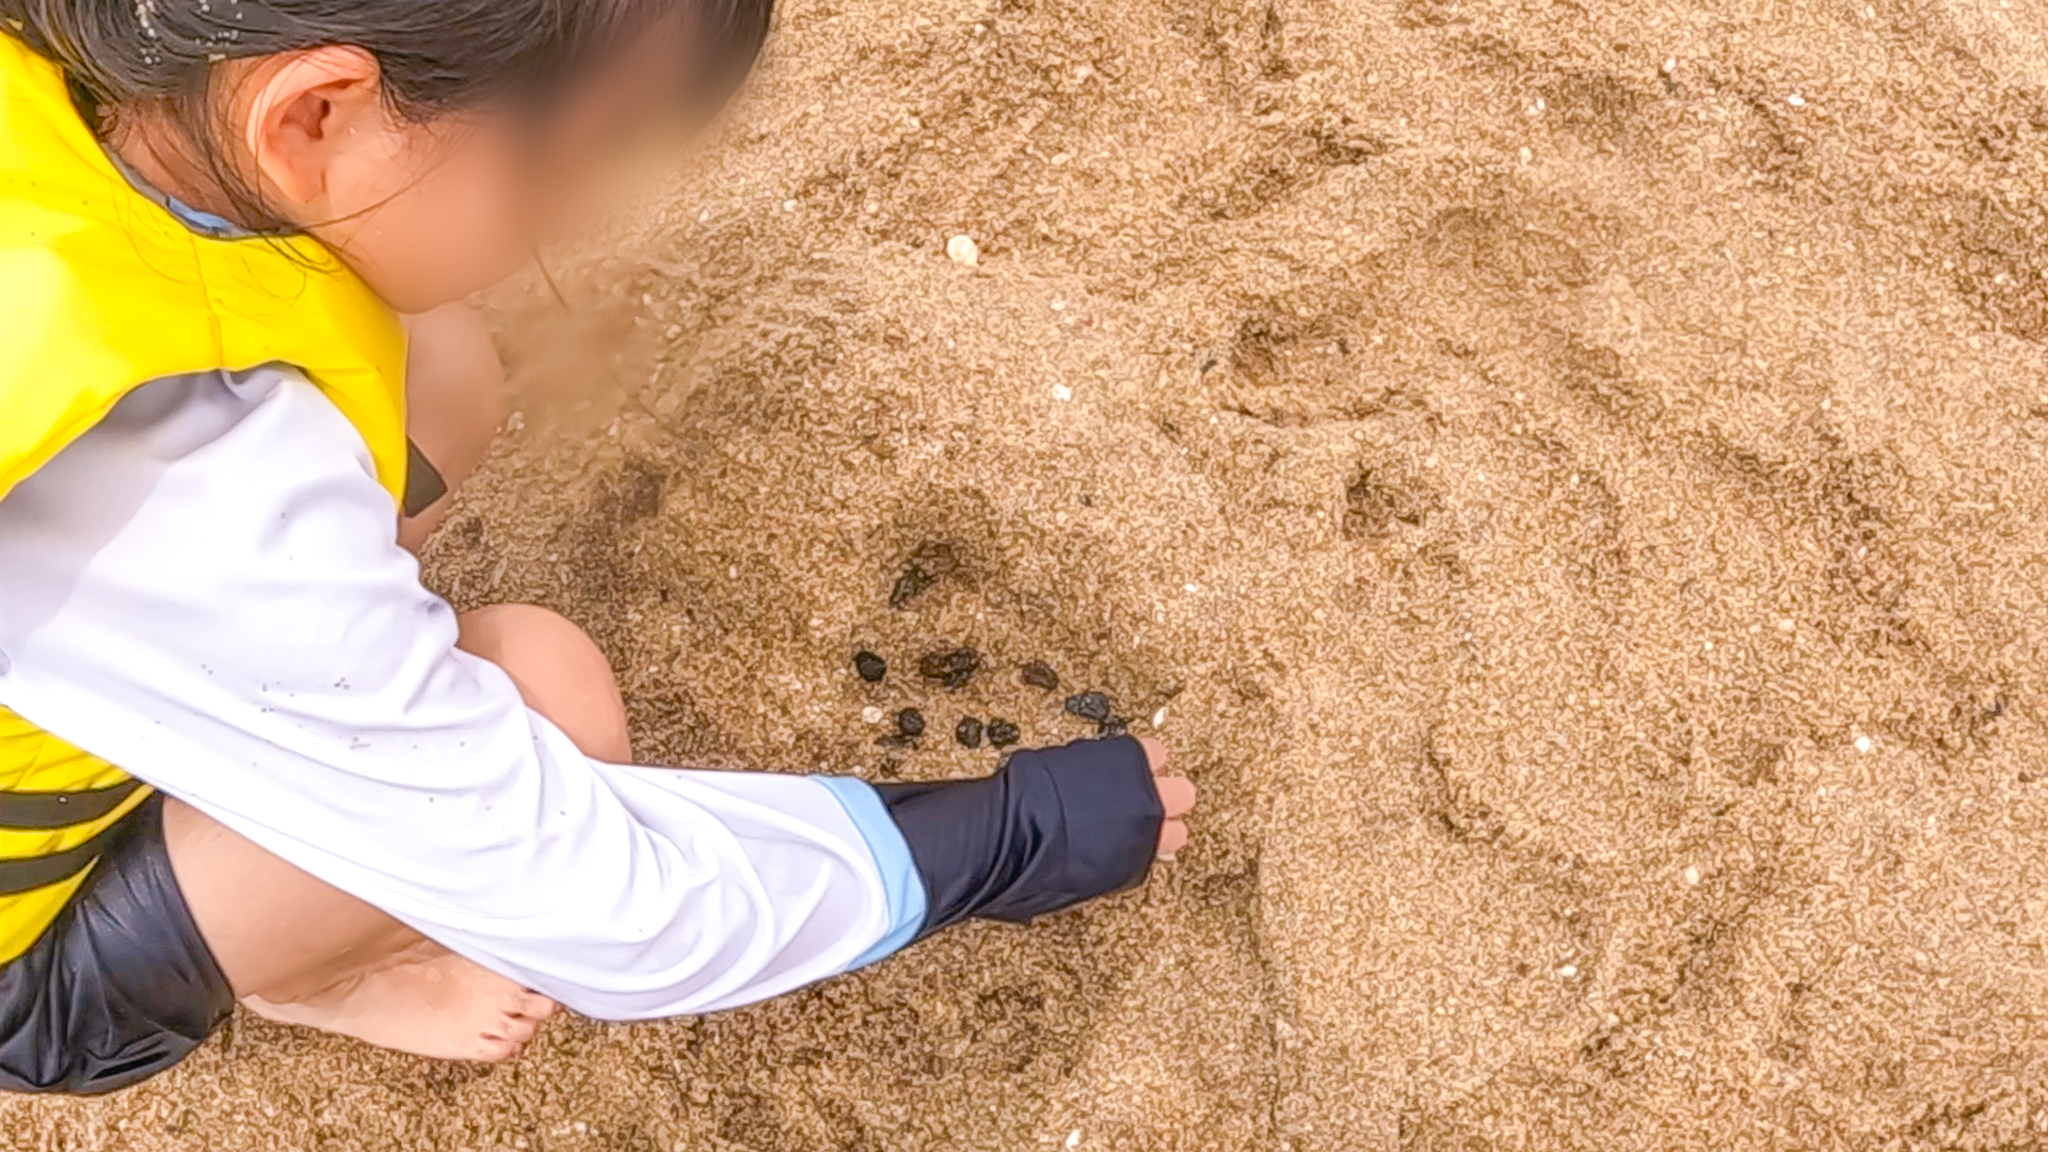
x=206 y=591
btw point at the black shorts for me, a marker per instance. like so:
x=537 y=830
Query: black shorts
x=121 y=986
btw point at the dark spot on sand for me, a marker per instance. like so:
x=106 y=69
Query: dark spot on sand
x=1114 y=726
x=908 y=587
x=1040 y=675
x=870 y=666
x=968 y=732
x=1089 y=706
x=1373 y=505
x=953 y=668
x=932 y=560
x=1002 y=733
x=910 y=723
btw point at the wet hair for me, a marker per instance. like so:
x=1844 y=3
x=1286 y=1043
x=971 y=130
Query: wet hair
x=437 y=56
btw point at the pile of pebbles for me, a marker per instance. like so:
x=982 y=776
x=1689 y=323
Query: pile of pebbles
x=953 y=668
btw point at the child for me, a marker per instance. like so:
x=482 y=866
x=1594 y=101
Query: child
x=375 y=817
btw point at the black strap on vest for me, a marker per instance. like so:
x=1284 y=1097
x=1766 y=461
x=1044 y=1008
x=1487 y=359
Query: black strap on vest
x=38 y=811
x=48 y=810
x=18 y=876
x=423 y=482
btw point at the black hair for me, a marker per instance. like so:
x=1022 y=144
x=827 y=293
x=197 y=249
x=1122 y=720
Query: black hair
x=436 y=56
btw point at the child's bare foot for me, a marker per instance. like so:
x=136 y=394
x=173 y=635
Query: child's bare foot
x=426 y=1001
x=1176 y=793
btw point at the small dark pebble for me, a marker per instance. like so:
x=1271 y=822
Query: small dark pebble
x=1114 y=726
x=910 y=723
x=953 y=669
x=1002 y=733
x=968 y=732
x=870 y=666
x=1089 y=706
x=1039 y=674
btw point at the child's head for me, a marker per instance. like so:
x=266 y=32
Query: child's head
x=427 y=141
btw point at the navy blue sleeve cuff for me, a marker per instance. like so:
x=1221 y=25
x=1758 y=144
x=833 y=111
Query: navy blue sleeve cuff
x=1051 y=828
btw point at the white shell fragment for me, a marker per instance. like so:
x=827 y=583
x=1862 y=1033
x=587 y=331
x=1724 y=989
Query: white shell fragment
x=1692 y=874
x=1863 y=743
x=1062 y=393
x=962 y=250
x=871 y=714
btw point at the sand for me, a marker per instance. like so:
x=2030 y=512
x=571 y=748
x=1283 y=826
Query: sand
x=1572 y=475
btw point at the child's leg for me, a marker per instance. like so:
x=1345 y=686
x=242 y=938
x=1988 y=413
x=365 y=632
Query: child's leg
x=455 y=400
x=298 y=950
x=560 y=672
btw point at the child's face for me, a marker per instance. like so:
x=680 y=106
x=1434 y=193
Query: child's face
x=430 y=212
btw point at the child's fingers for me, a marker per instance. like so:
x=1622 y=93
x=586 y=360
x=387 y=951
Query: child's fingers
x=1156 y=754
x=1176 y=795
x=1173 y=836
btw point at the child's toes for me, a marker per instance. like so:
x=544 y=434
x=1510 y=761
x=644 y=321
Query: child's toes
x=532 y=1005
x=494 y=1050
x=515 y=1029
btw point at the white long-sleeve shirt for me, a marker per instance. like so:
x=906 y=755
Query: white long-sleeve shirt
x=206 y=589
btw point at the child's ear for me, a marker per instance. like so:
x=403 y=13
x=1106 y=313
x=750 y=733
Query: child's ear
x=304 y=109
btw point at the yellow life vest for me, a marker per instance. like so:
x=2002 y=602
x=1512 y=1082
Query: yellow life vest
x=102 y=290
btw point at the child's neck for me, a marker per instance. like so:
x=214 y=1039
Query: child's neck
x=148 y=146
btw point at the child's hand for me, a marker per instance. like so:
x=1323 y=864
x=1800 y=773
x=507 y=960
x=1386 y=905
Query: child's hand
x=1176 y=793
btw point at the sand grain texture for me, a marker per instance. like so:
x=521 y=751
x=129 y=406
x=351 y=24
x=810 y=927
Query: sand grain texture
x=1522 y=469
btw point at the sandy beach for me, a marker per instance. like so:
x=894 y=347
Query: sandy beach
x=1567 y=479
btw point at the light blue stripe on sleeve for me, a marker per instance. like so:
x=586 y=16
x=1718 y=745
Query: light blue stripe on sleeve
x=900 y=877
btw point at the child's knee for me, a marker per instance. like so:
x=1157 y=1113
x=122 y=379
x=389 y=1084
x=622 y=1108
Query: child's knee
x=560 y=671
